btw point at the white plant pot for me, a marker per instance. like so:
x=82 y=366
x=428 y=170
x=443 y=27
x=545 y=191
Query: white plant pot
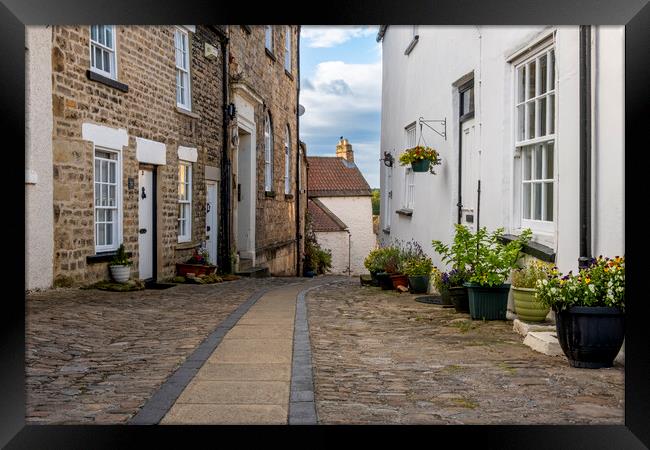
x=120 y=273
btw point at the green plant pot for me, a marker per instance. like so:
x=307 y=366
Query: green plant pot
x=421 y=165
x=527 y=307
x=419 y=284
x=487 y=303
x=374 y=281
x=456 y=296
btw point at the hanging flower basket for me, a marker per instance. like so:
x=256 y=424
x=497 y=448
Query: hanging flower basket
x=420 y=158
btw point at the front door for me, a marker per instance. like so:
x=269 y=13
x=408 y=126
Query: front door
x=211 y=221
x=145 y=224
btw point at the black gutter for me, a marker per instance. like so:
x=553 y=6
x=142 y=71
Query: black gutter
x=585 y=146
x=224 y=228
x=298 y=233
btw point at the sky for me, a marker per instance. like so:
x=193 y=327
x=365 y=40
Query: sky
x=340 y=88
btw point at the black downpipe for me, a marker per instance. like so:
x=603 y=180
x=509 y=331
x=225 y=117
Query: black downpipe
x=298 y=234
x=225 y=195
x=585 y=146
x=460 y=170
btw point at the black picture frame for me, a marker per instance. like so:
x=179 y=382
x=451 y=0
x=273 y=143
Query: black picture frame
x=15 y=14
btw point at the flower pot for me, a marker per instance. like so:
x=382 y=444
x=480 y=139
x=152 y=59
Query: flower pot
x=182 y=269
x=399 y=279
x=488 y=303
x=120 y=273
x=456 y=296
x=366 y=280
x=419 y=284
x=590 y=336
x=384 y=281
x=527 y=307
x=374 y=280
x=421 y=165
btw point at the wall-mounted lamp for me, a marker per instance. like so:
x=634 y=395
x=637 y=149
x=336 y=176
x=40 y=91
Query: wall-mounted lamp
x=388 y=159
x=231 y=111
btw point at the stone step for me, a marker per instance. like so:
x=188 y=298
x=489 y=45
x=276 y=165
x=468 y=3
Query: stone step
x=544 y=342
x=523 y=328
x=245 y=264
x=255 y=272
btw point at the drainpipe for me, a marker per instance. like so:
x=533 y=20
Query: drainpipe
x=298 y=234
x=349 y=253
x=226 y=207
x=585 y=146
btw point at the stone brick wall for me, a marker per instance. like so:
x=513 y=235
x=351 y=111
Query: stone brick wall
x=265 y=74
x=146 y=63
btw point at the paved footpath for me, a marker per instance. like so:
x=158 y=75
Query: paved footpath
x=247 y=378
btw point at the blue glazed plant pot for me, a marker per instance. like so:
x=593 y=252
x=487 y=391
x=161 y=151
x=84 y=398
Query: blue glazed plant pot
x=488 y=303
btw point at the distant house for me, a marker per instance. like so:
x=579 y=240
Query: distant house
x=340 y=208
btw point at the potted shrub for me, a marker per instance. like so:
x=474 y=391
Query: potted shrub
x=418 y=270
x=524 y=281
x=589 y=311
x=451 y=288
x=421 y=159
x=459 y=255
x=198 y=264
x=492 y=263
x=374 y=264
x=120 y=266
x=389 y=260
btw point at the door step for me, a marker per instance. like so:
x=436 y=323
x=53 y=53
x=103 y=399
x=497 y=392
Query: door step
x=254 y=272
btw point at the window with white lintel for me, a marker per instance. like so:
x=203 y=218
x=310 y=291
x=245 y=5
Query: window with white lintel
x=409 y=176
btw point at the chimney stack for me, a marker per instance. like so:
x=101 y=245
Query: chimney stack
x=344 y=150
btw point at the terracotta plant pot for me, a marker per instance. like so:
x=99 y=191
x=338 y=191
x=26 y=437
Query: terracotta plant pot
x=527 y=307
x=182 y=269
x=399 y=280
x=590 y=336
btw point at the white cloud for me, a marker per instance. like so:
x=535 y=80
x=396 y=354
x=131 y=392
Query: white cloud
x=327 y=36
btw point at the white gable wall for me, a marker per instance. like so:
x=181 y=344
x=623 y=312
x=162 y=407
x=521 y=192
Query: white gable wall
x=337 y=243
x=356 y=213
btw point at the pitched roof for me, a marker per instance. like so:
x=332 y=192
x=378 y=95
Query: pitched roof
x=331 y=176
x=322 y=218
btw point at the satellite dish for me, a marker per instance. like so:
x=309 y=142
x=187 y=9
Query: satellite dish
x=301 y=110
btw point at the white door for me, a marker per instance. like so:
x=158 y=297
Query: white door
x=469 y=176
x=245 y=195
x=145 y=224
x=211 y=223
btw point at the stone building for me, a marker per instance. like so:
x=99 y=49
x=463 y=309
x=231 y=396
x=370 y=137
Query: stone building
x=340 y=208
x=147 y=125
x=263 y=69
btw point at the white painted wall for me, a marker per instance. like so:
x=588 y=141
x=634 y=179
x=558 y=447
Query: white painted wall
x=39 y=239
x=356 y=213
x=337 y=243
x=421 y=84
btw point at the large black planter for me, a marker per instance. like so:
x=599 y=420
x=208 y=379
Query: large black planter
x=458 y=297
x=590 y=336
x=384 y=281
x=374 y=281
x=419 y=284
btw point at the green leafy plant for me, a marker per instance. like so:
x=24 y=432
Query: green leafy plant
x=460 y=255
x=494 y=260
x=121 y=258
x=527 y=276
x=316 y=258
x=418 y=266
x=601 y=284
x=392 y=262
x=374 y=262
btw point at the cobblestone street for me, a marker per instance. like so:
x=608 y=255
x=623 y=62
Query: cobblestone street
x=380 y=357
x=95 y=356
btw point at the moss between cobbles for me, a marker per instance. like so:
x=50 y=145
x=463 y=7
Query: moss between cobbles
x=507 y=368
x=104 y=285
x=465 y=403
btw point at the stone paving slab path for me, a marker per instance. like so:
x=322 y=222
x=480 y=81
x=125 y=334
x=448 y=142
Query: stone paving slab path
x=247 y=379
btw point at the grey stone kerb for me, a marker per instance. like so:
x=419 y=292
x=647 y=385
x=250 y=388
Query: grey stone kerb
x=302 y=407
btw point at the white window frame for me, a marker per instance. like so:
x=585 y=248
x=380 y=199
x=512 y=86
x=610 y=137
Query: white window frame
x=112 y=51
x=287 y=161
x=117 y=209
x=388 y=189
x=268 y=153
x=287 y=49
x=187 y=203
x=268 y=37
x=539 y=142
x=409 y=177
x=182 y=51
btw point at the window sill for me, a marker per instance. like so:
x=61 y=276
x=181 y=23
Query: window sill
x=287 y=73
x=405 y=212
x=269 y=194
x=186 y=112
x=288 y=196
x=104 y=257
x=411 y=46
x=94 y=76
x=535 y=249
x=270 y=54
x=187 y=245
